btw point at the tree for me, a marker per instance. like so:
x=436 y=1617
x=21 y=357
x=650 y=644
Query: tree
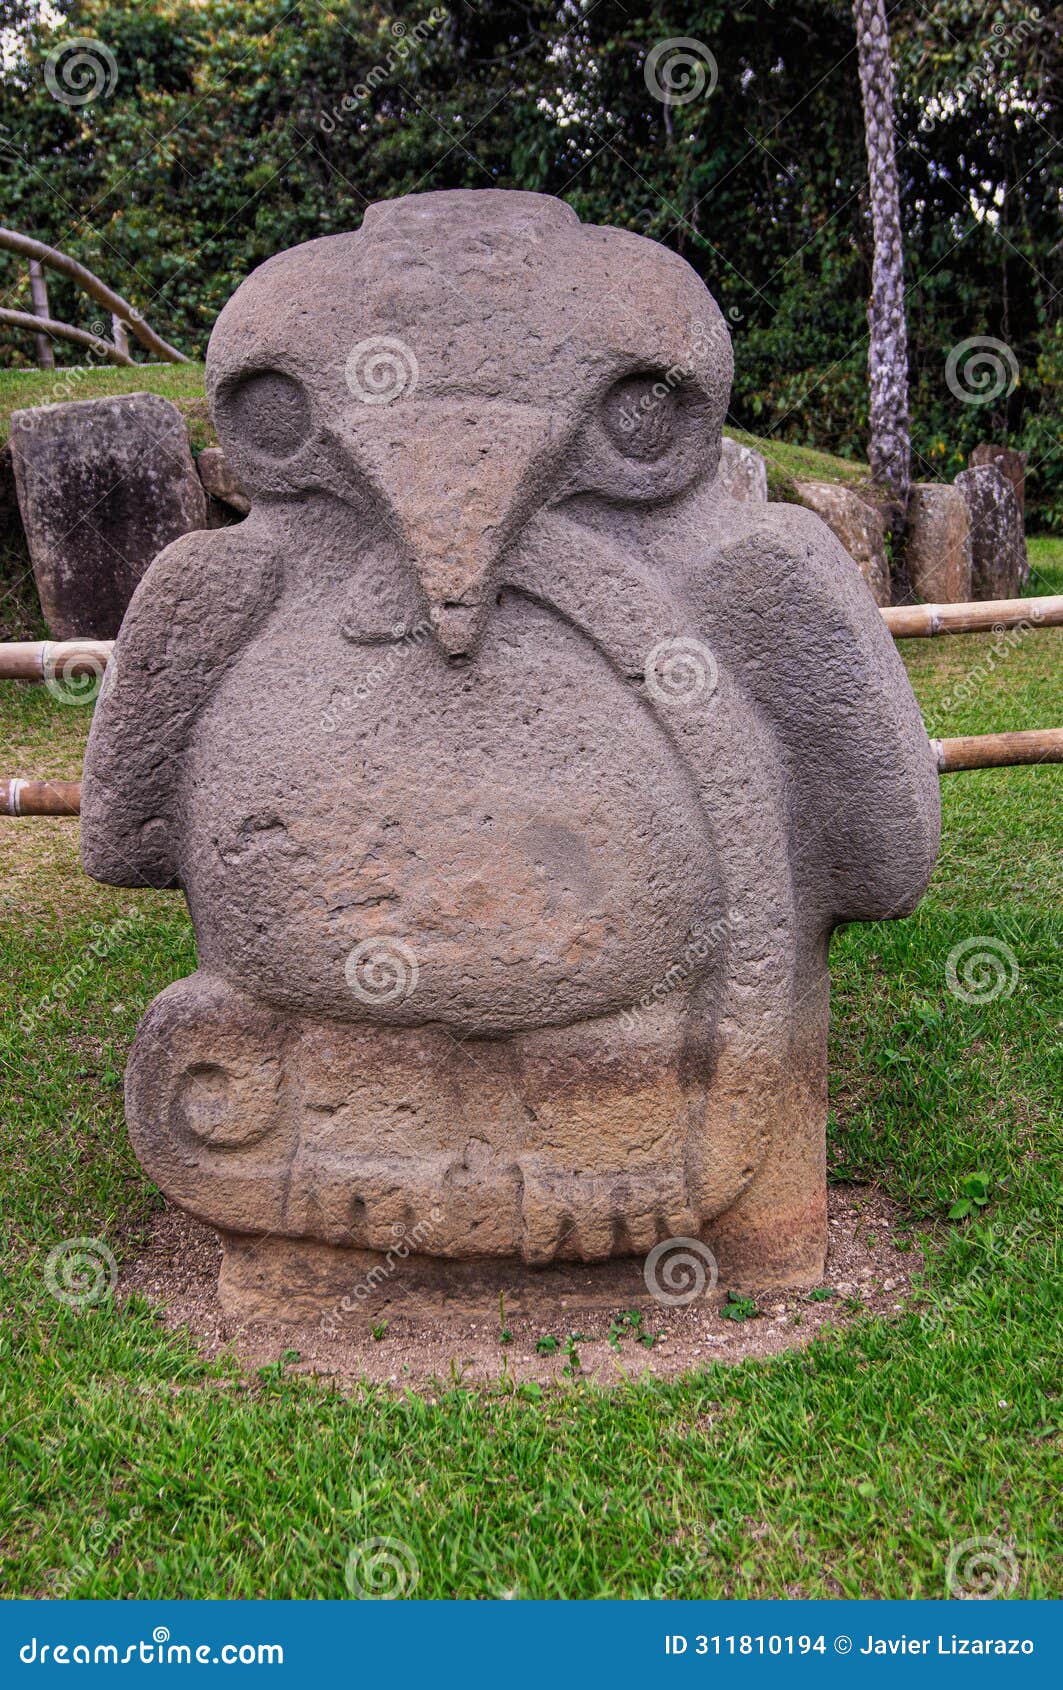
x=889 y=449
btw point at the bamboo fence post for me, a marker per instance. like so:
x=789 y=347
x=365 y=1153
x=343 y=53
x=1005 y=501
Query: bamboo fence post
x=40 y=797
x=998 y=751
x=97 y=290
x=39 y=660
x=64 y=331
x=922 y=621
x=39 y=298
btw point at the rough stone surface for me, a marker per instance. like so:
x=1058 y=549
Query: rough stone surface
x=515 y=774
x=1013 y=464
x=219 y=481
x=938 y=543
x=103 y=486
x=1011 y=461
x=743 y=473
x=998 y=546
x=858 y=525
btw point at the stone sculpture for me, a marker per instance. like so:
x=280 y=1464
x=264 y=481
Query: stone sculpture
x=998 y=543
x=938 y=543
x=860 y=527
x=514 y=773
x=103 y=486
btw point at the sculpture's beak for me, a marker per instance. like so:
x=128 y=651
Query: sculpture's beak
x=458 y=481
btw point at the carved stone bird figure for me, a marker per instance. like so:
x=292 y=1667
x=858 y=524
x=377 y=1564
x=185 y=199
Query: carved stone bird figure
x=514 y=773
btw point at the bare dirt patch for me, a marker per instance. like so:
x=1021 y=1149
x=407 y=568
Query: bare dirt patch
x=866 y=1274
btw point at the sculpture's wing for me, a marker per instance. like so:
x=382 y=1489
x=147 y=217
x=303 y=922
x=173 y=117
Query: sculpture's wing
x=810 y=704
x=785 y=602
x=190 y=616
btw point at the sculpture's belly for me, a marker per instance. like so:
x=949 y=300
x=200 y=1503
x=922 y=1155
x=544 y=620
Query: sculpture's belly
x=506 y=845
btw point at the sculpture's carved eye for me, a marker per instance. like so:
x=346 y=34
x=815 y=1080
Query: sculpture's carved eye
x=646 y=438
x=270 y=413
x=640 y=415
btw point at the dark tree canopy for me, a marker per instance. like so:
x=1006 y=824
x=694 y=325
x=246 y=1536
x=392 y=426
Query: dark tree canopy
x=236 y=127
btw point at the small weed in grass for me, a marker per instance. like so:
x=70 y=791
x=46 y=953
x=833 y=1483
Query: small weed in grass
x=739 y=1307
x=974 y=1195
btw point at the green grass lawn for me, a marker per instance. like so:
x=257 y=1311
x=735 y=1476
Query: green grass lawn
x=131 y=1467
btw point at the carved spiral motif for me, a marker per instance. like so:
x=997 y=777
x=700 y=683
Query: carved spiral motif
x=80 y=1271
x=381 y=1569
x=381 y=369
x=79 y=70
x=981 y=969
x=381 y=971
x=680 y=70
x=681 y=667
x=981 y=1569
x=679 y=1270
x=981 y=369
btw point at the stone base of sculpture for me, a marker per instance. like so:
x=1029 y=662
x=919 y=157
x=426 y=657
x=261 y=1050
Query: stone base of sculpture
x=328 y=1154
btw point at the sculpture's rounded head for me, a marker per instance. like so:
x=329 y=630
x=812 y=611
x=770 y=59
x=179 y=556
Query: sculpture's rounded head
x=463 y=360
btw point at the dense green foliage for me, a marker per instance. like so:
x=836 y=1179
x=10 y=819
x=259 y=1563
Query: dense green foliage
x=236 y=127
